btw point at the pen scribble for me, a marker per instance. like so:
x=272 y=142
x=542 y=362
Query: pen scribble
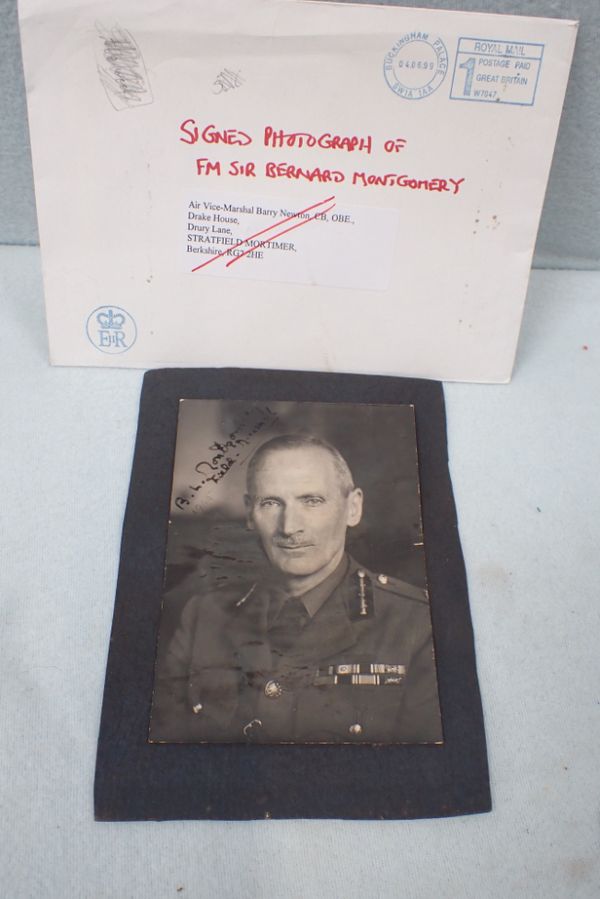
x=121 y=68
x=227 y=80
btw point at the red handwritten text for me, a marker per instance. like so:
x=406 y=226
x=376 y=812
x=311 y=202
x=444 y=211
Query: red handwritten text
x=230 y=136
x=286 y=171
x=391 y=179
x=326 y=141
x=296 y=173
x=395 y=145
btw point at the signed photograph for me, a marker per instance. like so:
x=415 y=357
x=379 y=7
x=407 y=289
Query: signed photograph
x=295 y=605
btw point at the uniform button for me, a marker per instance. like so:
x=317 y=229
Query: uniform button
x=197 y=708
x=355 y=729
x=273 y=689
x=361 y=573
x=382 y=578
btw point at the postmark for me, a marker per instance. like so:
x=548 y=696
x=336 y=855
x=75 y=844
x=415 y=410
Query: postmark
x=111 y=329
x=496 y=71
x=416 y=65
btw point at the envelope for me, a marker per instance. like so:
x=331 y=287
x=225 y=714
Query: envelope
x=288 y=184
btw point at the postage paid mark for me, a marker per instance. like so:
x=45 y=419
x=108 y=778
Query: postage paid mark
x=493 y=71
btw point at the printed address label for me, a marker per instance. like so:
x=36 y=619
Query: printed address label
x=312 y=240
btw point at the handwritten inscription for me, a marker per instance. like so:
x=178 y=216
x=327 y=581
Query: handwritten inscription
x=277 y=139
x=121 y=68
x=211 y=135
x=227 y=81
x=223 y=454
x=319 y=175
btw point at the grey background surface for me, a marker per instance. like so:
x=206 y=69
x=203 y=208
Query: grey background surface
x=524 y=464
x=569 y=235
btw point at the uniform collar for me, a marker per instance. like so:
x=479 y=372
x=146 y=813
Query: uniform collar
x=313 y=599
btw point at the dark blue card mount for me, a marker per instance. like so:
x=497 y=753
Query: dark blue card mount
x=141 y=780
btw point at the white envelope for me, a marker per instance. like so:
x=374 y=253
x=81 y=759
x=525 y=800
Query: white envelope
x=287 y=184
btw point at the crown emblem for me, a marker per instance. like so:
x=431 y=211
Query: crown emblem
x=110 y=320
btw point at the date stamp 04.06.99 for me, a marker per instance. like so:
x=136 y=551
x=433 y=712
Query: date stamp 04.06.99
x=493 y=71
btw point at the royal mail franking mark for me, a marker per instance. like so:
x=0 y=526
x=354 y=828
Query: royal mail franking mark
x=416 y=65
x=493 y=71
x=111 y=329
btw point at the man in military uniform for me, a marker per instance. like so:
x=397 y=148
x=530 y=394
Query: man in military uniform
x=319 y=651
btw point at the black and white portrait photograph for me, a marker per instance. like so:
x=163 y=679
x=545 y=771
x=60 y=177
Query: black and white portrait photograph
x=295 y=605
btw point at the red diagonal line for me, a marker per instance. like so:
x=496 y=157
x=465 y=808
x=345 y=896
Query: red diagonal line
x=280 y=234
x=264 y=231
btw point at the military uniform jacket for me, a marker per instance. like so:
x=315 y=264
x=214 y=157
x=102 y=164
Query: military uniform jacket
x=361 y=671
